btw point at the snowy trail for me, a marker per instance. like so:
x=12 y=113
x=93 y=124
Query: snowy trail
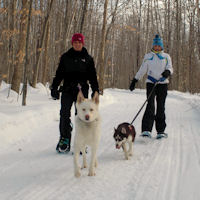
x=167 y=169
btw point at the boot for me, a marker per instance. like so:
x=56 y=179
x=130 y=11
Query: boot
x=63 y=145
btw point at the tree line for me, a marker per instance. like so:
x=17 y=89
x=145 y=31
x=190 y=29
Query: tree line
x=34 y=34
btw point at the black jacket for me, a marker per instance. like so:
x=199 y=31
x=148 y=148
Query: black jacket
x=76 y=67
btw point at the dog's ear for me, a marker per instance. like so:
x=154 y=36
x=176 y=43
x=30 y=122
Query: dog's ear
x=80 y=97
x=123 y=130
x=96 y=98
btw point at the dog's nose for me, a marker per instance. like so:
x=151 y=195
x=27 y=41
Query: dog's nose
x=87 y=117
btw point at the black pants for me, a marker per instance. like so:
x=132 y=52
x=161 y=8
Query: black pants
x=160 y=93
x=67 y=100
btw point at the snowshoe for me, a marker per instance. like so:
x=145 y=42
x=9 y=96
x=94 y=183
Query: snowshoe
x=146 y=134
x=161 y=135
x=63 y=145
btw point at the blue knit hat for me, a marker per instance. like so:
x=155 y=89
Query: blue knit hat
x=158 y=41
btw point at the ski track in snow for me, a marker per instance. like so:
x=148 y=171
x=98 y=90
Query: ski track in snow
x=167 y=169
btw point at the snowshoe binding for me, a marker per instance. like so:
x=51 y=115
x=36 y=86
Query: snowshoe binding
x=63 y=145
x=161 y=135
x=146 y=134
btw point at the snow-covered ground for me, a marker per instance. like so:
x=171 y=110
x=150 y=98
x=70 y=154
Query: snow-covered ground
x=30 y=168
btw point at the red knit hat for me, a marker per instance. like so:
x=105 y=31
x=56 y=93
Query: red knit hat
x=78 y=37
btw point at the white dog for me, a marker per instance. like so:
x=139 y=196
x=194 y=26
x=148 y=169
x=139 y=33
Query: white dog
x=87 y=128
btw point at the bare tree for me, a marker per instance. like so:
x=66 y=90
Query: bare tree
x=35 y=75
x=11 y=43
x=18 y=70
x=84 y=15
x=102 y=47
x=117 y=41
x=70 y=24
x=198 y=24
x=139 y=34
x=46 y=60
x=26 y=56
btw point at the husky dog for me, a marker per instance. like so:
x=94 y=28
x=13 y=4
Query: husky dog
x=87 y=128
x=125 y=133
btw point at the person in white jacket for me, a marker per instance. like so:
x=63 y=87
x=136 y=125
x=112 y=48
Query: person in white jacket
x=158 y=67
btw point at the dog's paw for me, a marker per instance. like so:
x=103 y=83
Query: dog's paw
x=130 y=154
x=127 y=157
x=77 y=174
x=91 y=173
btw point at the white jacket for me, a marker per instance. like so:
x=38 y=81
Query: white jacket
x=155 y=66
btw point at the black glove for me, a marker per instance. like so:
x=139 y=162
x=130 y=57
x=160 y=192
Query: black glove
x=166 y=73
x=132 y=86
x=55 y=94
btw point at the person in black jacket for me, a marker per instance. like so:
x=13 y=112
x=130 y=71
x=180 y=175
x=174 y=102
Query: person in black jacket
x=76 y=68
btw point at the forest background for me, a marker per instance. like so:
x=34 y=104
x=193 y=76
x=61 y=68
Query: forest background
x=35 y=33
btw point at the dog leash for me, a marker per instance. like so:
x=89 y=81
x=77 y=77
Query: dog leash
x=144 y=103
x=161 y=79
